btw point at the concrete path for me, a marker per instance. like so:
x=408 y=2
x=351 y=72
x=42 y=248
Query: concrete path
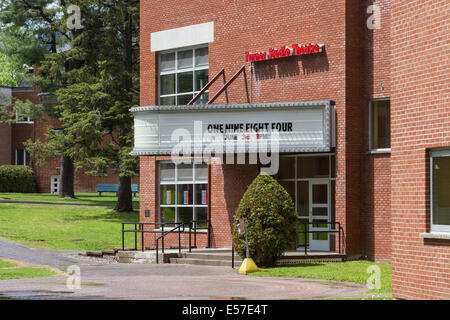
x=56 y=259
x=180 y=282
x=59 y=203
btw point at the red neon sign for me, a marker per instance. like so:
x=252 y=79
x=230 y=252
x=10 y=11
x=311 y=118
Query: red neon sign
x=285 y=51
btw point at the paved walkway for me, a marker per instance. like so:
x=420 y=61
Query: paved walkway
x=59 y=203
x=125 y=281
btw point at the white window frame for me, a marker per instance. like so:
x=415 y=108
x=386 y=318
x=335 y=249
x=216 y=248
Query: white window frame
x=371 y=148
x=176 y=182
x=28 y=121
x=176 y=71
x=25 y=159
x=436 y=227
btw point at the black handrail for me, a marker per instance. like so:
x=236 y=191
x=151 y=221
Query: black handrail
x=178 y=227
x=338 y=230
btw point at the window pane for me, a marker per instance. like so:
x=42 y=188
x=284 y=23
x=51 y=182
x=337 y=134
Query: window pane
x=184 y=99
x=201 y=217
x=320 y=194
x=201 y=79
x=20 y=158
x=167 y=194
x=185 y=194
x=185 y=214
x=185 y=172
x=441 y=191
x=168 y=101
x=287 y=168
x=168 y=84
x=201 y=194
x=312 y=167
x=203 y=99
x=185 y=59
x=167 y=62
x=381 y=124
x=167 y=172
x=167 y=215
x=301 y=237
x=201 y=172
x=185 y=82
x=303 y=198
x=201 y=57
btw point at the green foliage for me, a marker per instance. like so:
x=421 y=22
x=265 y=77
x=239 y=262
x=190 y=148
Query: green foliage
x=17 y=179
x=270 y=218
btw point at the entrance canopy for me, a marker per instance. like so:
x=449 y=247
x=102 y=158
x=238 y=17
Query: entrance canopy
x=290 y=126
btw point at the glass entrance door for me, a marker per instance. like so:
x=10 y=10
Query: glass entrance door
x=319 y=214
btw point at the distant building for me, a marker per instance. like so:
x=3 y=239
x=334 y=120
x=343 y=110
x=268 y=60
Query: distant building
x=13 y=151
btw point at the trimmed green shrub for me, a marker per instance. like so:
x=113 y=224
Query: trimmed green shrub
x=18 y=179
x=270 y=218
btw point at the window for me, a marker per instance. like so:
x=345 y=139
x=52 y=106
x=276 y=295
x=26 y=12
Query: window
x=23 y=118
x=22 y=157
x=182 y=74
x=183 y=193
x=440 y=186
x=380 y=124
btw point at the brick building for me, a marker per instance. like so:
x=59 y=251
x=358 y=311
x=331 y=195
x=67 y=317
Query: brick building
x=420 y=170
x=323 y=74
x=14 y=153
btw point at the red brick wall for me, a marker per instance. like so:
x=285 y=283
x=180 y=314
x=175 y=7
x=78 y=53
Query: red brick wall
x=375 y=168
x=5 y=144
x=336 y=74
x=419 y=112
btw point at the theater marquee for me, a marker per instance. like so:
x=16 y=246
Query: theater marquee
x=293 y=126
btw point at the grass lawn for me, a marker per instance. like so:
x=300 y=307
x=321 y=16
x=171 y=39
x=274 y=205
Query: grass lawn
x=89 y=198
x=9 y=270
x=64 y=227
x=352 y=271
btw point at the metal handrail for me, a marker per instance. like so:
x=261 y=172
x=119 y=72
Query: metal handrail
x=178 y=226
x=338 y=230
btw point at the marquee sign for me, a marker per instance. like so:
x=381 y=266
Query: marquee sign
x=293 y=126
x=285 y=51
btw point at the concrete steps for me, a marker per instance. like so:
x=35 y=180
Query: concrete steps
x=207 y=259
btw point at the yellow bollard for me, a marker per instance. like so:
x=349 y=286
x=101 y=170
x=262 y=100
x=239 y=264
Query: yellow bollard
x=248 y=266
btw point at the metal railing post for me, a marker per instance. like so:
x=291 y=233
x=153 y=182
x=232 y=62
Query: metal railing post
x=162 y=239
x=142 y=237
x=232 y=256
x=157 y=251
x=306 y=233
x=190 y=236
x=135 y=238
x=123 y=238
x=179 y=239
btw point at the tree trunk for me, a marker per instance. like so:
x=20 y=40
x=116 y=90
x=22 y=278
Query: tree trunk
x=125 y=199
x=66 y=189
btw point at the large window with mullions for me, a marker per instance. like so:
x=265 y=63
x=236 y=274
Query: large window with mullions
x=182 y=74
x=183 y=193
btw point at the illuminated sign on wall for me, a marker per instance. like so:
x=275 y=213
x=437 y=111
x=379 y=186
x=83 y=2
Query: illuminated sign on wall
x=285 y=51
